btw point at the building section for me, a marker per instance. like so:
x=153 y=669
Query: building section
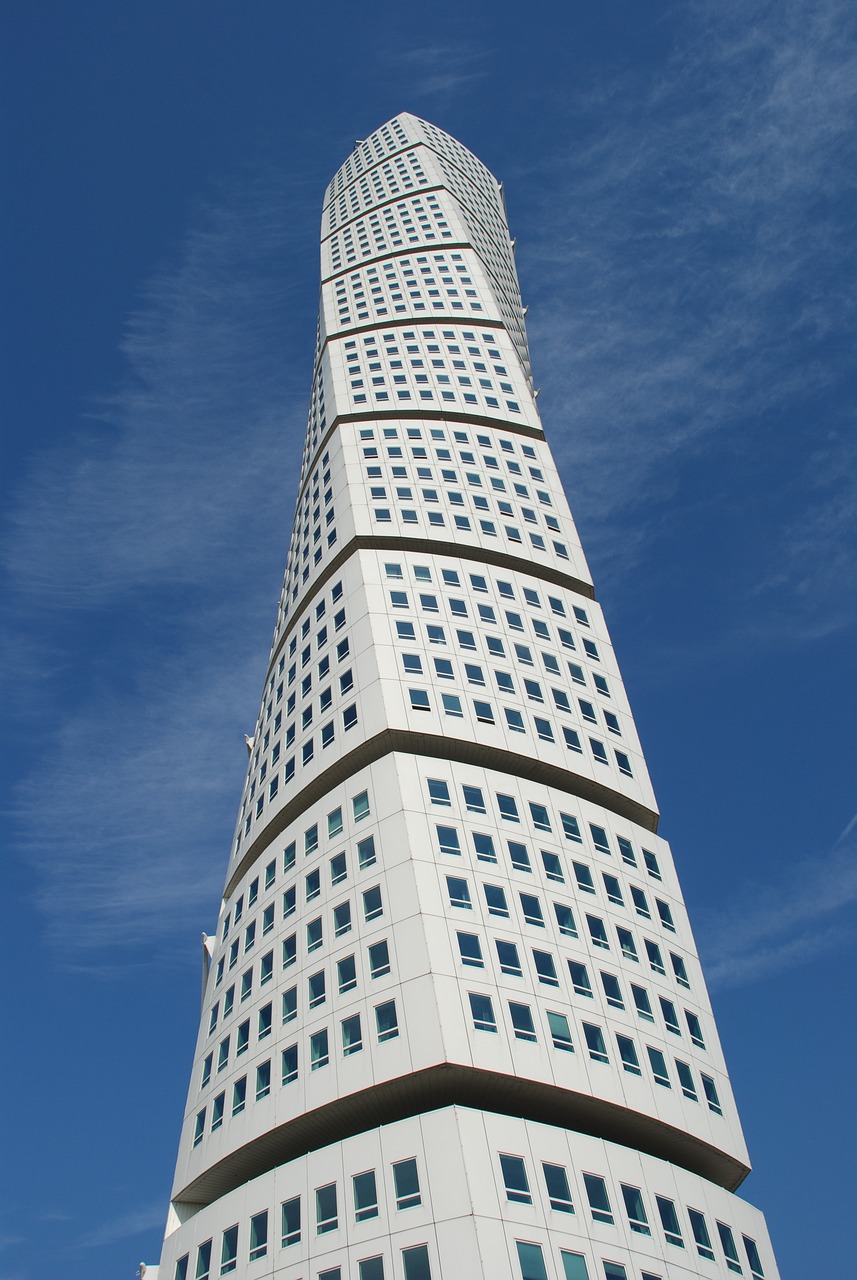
x=454 y=1023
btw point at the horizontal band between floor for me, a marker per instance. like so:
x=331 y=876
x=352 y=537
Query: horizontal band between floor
x=430 y=547
x=452 y=1084
x=438 y=747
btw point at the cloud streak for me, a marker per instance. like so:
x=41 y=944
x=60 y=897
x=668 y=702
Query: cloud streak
x=809 y=912
x=692 y=275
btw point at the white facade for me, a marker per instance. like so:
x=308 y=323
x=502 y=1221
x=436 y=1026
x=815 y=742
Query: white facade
x=454 y=1023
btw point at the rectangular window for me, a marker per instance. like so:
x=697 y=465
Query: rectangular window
x=379 y=959
x=290 y=1064
x=346 y=974
x=407 y=1184
x=515 y=1179
x=415 y=1263
x=560 y=1031
x=628 y=1054
x=448 y=842
x=482 y=1011
x=291 y=1221
x=458 y=891
x=239 y=1095
x=229 y=1251
x=385 y=1021
x=263 y=1080
x=669 y=1221
x=352 y=1036
x=559 y=1192
x=258 y=1235
x=701 y=1237
x=753 y=1258
x=522 y=1021
x=531 y=1260
x=519 y=856
x=532 y=910
x=730 y=1251
x=366 y=855
x=636 y=1210
x=203 y=1261
x=595 y=1042
x=373 y=905
x=545 y=968
x=365 y=1196
x=326 y=1212
x=658 y=1063
x=573 y=1265
x=599 y=1201
x=319 y=1050
x=579 y=978
x=565 y=919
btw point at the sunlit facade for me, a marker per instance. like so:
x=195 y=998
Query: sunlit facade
x=454 y=1023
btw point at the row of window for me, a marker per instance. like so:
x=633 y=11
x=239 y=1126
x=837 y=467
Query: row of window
x=558 y=1194
x=523 y=1027
x=539 y=818
x=351 y=1033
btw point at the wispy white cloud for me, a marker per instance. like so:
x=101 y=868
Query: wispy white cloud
x=434 y=71
x=808 y=912
x=124 y=1227
x=144 y=558
x=693 y=279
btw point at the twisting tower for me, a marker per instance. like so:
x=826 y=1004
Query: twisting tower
x=454 y=1024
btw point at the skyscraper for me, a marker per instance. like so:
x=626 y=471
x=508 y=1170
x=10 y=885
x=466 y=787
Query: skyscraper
x=453 y=1021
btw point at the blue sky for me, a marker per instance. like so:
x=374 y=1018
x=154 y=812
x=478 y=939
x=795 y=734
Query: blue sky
x=680 y=180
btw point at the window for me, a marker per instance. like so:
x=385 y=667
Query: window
x=679 y=970
x=641 y=904
x=448 y=842
x=365 y=1196
x=522 y=1021
x=573 y=1265
x=636 y=1210
x=415 y=1263
x=419 y=700
x=508 y=808
x=560 y=1031
x=701 y=1237
x=407 y=1184
x=319 y=1050
x=579 y=978
x=627 y=944
x=612 y=889
x=263 y=1080
x=597 y=932
x=628 y=1054
x=366 y=852
x=290 y=1064
x=665 y=914
x=229 y=1251
x=385 y=1021
x=694 y=1026
x=482 y=1011
x=531 y=1260
x=612 y=990
x=458 y=891
x=379 y=959
x=669 y=1015
x=470 y=950
x=599 y=1201
x=217 y=1110
x=710 y=1091
x=532 y=910
x=595 y=1042
x=753 y=1258
x=515 y=1179
x=341 y=918
x=669 y=1221
x=265 y=1021
x=583 y=876
x=199 y=1127
x=473 y=799
x=614 y=1271
x=519 y=856
x=685 y=1079
x=552 y=866
x=239 y=1096
x=372 y=903
x=656 y=960
x=258 y=1235
x=346 y=974
x=545 y=968
x=181 y=1268
x=203 y=1261
x=314 y=936
x=658 y=1063
x=352 y=1036
x=507 y=954
x=291 y=1221
x=495 y=900
x=326 y=1213
x=559 y=1192
x=730 y=1251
